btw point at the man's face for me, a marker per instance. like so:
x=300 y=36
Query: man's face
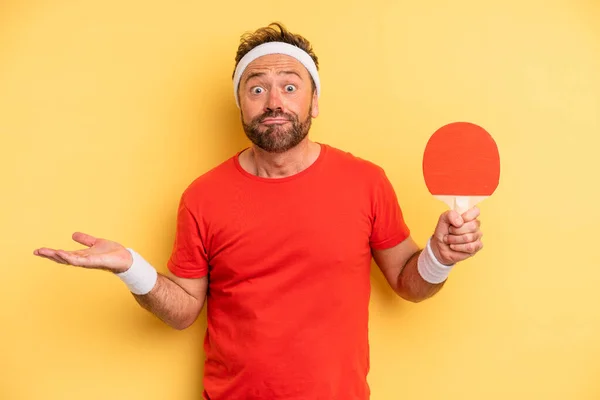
x=277 y=102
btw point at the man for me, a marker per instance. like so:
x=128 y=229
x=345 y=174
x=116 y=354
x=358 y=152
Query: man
x=278 y=241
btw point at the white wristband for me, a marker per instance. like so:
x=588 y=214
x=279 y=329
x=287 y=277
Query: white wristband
x=141 y=277
x=430 y=268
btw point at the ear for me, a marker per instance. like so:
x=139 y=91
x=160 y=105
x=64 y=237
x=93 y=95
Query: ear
x=314 y=111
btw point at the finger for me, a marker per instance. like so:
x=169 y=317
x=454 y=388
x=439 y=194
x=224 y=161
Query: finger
x=49 y=254
x=451 y=218
x=469 y=248
x=455 y=219
x=471 y=214
x=45 y=252
x=84 y=239
x=55 y=259
x=82 y=253
x=76 y=258
x=468 y=227
x=58 y=257
x=462 y=239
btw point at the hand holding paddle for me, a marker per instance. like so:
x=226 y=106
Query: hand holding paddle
x=100 y=254
x=457 y=237
x=461 y=167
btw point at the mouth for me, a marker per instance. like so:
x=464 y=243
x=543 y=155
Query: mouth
x=274 y=121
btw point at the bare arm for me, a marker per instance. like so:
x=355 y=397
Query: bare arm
x=176 y=301
x=455 y=238
x=399 y=266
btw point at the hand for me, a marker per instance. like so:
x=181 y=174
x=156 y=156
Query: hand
x=457 y=237
x=100 y=254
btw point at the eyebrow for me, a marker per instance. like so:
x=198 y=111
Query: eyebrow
x=258 y=74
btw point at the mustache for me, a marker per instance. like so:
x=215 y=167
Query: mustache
x=275 y=114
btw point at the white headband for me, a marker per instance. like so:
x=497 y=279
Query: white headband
x=275 y=48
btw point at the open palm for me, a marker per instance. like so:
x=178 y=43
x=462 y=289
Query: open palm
x=99 y=254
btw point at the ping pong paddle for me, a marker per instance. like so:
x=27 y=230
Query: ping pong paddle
x=461 y=165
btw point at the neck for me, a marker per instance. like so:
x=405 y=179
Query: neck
x=280 y=165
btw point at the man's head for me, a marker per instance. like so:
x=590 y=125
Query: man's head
x=276 y=85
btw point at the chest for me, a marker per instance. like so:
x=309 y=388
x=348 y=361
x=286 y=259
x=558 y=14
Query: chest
x=290 y=232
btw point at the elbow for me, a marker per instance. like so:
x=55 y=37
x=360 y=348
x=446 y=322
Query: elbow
x=411 y=297
x=418 y=299
x=184 y=321
x=415 y=295
x=181 y=324
x=416 y=292
x=179 y=327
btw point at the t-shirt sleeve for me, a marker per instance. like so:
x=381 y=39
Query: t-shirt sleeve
x=189 y=258
x=389 y=227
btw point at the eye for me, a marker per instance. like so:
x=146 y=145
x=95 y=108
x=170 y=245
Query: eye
x=290 y=88
x=257 y=90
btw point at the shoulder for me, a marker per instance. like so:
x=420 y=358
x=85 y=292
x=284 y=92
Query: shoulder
x=357 y=166
x=212 y=181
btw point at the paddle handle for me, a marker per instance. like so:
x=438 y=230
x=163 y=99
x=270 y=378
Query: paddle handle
x=460 y=204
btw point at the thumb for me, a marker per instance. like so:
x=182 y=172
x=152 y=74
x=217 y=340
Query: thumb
x=84 y=239
x=450 y=218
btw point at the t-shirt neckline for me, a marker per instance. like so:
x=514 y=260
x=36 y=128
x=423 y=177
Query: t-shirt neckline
x=305 y=171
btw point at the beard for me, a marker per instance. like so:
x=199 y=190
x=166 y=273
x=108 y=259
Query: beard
x=277 y=138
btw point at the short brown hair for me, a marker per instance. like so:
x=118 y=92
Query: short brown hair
x=274 y=32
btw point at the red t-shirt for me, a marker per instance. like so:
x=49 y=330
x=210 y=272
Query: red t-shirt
x=288 y=262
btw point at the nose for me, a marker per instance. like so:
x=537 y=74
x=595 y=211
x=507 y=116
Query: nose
x=274 y=101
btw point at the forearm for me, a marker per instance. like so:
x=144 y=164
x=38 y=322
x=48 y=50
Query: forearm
x=411 y=285
x=171 y=303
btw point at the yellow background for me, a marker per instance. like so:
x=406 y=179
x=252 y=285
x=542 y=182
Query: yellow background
x=108 y=109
